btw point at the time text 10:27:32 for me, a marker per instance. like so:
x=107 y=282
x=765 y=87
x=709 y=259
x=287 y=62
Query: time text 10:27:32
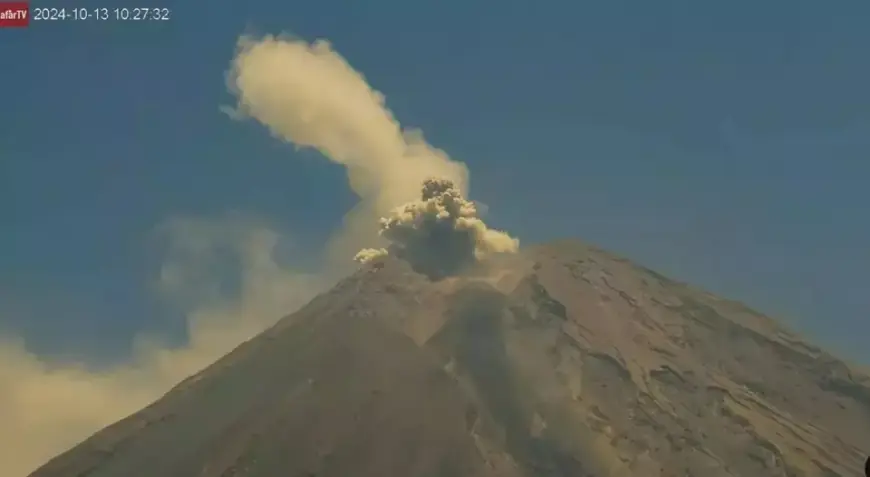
x=102 y=14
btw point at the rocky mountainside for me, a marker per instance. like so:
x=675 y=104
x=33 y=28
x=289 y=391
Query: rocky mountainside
x=561 y=361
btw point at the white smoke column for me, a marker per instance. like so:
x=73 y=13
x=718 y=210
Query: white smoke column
x=309 y=95
x=439 y=234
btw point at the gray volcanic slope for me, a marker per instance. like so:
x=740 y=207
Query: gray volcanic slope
x=563 y=361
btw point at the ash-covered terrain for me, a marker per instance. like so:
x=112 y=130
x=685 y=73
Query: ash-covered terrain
x=561 y=360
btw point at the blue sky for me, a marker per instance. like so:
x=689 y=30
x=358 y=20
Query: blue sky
x=725 y=145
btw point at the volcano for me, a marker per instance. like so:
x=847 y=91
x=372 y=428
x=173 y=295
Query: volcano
x=562 y=360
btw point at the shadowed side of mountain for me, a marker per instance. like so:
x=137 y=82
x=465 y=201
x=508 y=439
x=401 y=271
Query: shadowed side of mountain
x=696 y=383
x=564 y=360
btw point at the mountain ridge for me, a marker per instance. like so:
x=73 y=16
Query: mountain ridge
x=563 y=360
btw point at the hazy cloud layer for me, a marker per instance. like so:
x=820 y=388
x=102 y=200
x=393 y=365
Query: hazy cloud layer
x=45 y=409
x=305 y=94
x=439 y=234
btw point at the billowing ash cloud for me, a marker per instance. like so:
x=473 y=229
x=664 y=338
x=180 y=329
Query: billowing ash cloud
x=439 y=234
x=308 y=95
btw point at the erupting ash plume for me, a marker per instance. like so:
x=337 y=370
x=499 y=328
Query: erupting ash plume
x=439 y=234
x=308 y=95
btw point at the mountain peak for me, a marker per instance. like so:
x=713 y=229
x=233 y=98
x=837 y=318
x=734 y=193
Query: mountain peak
x=560 y=360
